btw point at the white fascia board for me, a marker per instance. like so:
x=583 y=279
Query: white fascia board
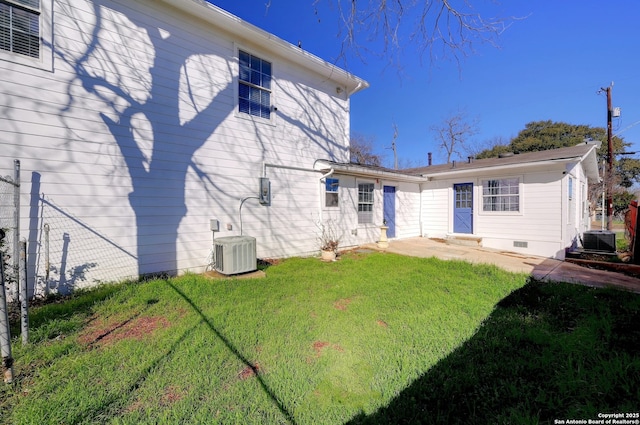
x=269 y=42
x=590 y=164
x=485 y=170
x=359 y=171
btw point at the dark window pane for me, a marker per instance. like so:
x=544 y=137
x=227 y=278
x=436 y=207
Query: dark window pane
x=20 y=30
x=255 y=77
x=244 y=59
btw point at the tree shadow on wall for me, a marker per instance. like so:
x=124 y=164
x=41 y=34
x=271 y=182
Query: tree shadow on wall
x=141 y=75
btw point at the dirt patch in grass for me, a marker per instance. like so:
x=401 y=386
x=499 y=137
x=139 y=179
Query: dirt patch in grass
x=249 y=371
x=342 y=304
x=319 y=347
x=170 y=396
x=136 y=328
x=382 y=323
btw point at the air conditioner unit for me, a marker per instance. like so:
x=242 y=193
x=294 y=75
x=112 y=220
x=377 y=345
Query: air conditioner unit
x=234 y=254
x=600 y=240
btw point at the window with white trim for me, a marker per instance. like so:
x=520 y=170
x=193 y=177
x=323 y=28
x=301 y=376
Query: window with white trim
x=254 y=85
x=20 y=27
x=331 y=192
x=365 y=203
x=570 y=188
x=501 y=195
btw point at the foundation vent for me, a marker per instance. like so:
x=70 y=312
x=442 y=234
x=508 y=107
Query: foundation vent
x=520 y=244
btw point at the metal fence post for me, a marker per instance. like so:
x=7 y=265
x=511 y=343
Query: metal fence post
x=16 y=224
x=24 y=310
x=5 y=334
x=47 y=263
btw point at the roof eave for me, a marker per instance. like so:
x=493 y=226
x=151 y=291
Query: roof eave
x=359 y=171
x=233 y=24
x=519 y=166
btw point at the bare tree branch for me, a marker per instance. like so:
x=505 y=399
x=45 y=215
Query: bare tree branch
x=454 y=132
x=361 y=151
x=443 y=28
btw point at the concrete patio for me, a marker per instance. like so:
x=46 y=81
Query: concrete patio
x=540 y=268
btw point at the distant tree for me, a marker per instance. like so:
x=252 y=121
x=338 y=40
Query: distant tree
x=628 y=172
x=453 y=134
x=543 y=135
x=491 y=148
x=621 y=201
x=361 y=151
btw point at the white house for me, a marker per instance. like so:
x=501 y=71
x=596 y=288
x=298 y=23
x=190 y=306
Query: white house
x=138 y=122
x=533 y=203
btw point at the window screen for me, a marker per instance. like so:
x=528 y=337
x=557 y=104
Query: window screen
x=254 y=86
x=365 y=203
x=20 y=27
x=501 y=195
x=331 y=192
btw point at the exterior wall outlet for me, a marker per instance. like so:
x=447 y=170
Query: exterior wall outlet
x=229 y=226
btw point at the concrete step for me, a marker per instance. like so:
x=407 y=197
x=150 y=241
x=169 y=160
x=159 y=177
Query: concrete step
x=465 y=240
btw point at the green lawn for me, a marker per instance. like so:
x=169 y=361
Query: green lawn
x=373 y=338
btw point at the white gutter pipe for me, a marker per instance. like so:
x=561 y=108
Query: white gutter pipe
x=285 y=167
x=358 y=87
x=331 y=171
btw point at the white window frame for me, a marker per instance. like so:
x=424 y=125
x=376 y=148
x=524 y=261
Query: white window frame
x=45 y=60
x=236 y=87
x=483 y=185
x=331 y=196
x=366 y=217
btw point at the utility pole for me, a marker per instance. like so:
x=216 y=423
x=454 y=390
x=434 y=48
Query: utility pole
x=608 y=178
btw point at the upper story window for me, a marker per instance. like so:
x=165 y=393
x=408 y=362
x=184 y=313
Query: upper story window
x=254 y=86
x=20 y=27
x=501 y=195
x=365 y=203
x=331 y=192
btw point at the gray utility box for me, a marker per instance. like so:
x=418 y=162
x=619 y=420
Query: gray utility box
x=600 y=240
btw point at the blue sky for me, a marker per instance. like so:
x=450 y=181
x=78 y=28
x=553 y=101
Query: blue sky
x=549 y=66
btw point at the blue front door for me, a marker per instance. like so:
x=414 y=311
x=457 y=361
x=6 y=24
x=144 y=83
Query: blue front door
x=463 y=208
x=389 y=209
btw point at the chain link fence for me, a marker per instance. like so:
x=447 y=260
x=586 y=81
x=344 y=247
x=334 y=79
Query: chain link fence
x=72 y=254
x=8 y=224
x=65 y=251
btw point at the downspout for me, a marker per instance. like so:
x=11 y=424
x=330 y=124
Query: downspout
x=358 y=87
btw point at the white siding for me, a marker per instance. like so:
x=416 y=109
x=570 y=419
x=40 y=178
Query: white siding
x=136 y=142
x=542 y=223
x=436 y=208
x=407 y=210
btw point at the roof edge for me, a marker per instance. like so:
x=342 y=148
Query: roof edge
x=272 y=43
x=357 y=170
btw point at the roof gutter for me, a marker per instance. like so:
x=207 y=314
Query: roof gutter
x=359 y=171
x=458 y=172
x=246 y=31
